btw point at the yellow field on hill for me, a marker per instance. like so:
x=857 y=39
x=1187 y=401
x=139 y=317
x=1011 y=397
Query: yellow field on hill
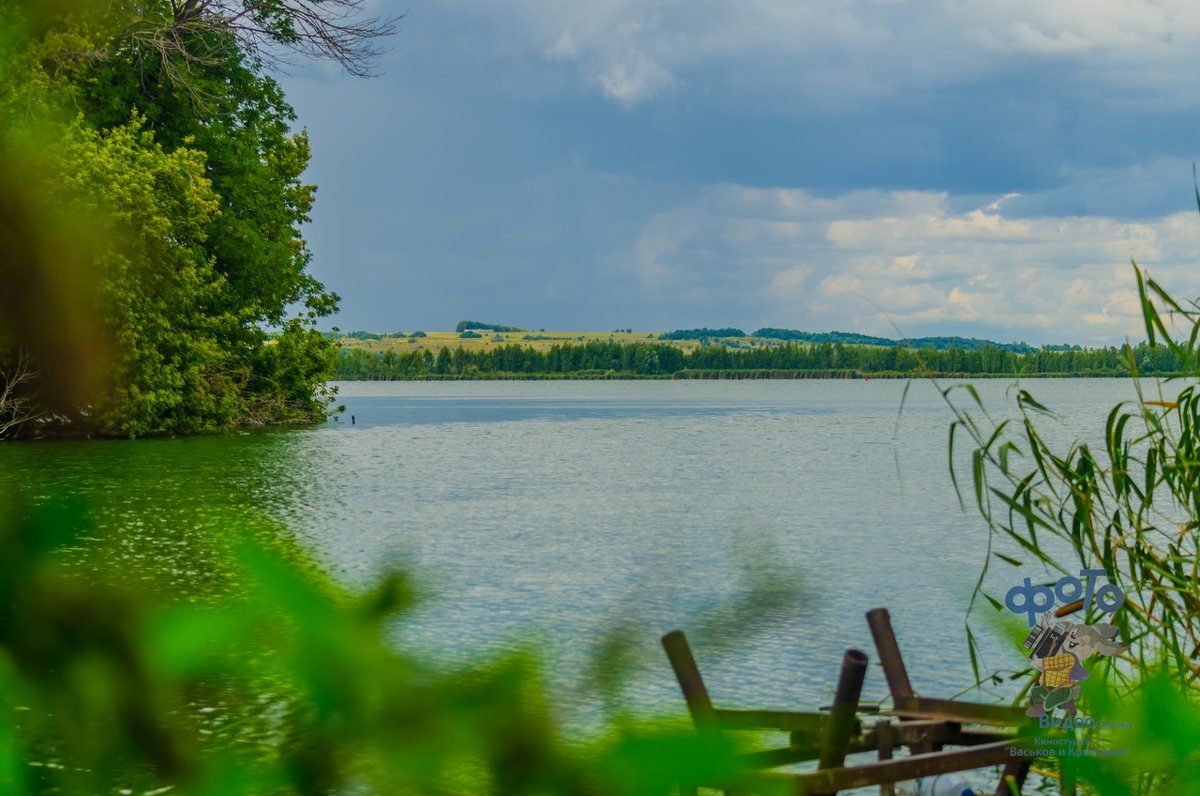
x=541 y=341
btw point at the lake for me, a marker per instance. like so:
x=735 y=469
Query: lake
x=763 y=517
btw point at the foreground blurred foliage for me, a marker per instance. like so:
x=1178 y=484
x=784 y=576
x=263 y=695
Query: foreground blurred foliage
x=289 y=687
x=160 y=195
x=1161 y=744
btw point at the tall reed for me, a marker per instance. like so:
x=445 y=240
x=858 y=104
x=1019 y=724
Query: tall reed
x=1129 y=506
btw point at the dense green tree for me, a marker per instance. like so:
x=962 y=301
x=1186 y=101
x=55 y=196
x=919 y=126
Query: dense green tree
x=162 y=295
x=186 y=152
x=243 y=125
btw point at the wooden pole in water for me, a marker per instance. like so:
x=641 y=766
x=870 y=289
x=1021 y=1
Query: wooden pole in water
x=690 y=682
x=845 y=704
x=886 y=742
x=699 y=704
x=889 y=655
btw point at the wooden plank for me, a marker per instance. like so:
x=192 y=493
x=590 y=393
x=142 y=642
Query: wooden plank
x=787 y=721
x=953 y=710
x=901 y=769
x=972 y=737
x=774 y=758
x=932 y=731
x=863 y=707
x=908 y=733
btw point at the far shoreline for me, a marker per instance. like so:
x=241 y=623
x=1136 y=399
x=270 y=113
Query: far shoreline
x=745 y=376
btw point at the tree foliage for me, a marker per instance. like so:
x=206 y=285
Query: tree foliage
x=194 y=189
x=174 y=37
x=471 y=326
x=701 y=334
x=161 y=293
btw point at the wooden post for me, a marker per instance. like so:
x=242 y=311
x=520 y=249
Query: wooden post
x=1066 y=773
x=889 y=655
x=1017 y=769
x=699 y=704
x=880 y=622
x=690 y=682
x=836 y=737
x=886 y=742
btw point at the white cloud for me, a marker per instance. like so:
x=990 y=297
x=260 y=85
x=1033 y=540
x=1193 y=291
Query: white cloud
x=848 y=51
x=841 y=284
x=654 y=255
x=633 y=79
x=865 y=260
x=1072 y=26
x=790 y=281
x=962 y=96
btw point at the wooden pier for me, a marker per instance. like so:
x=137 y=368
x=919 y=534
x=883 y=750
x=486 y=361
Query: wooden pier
x=979 y=735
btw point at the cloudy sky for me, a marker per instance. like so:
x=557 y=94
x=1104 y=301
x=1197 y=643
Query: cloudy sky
x=960 y=167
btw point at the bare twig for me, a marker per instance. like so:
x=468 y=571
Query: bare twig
x=266 y=30
x=18 y=404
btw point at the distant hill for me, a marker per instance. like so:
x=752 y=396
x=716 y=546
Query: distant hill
x=733 y=337
x=853 y=338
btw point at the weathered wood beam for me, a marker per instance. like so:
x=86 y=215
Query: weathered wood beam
x=954 y=710
x=901 y=769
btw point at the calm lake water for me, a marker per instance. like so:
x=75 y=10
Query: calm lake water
x=763 y=517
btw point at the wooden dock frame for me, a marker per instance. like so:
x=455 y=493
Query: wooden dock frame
x=925 y=725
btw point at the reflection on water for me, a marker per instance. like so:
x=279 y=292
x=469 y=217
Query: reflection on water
x=166 y=511
x=553 y=511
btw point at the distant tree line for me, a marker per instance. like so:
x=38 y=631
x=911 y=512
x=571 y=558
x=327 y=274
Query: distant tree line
x=701 y=334
x=336 y=334
x=467 y=326
x=368 y=335
x=936 y=343
x=788 y=360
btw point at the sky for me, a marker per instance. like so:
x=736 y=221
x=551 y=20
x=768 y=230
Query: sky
x=897 y=168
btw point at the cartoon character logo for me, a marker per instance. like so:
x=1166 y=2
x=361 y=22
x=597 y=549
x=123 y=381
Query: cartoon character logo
x=1058 y=650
